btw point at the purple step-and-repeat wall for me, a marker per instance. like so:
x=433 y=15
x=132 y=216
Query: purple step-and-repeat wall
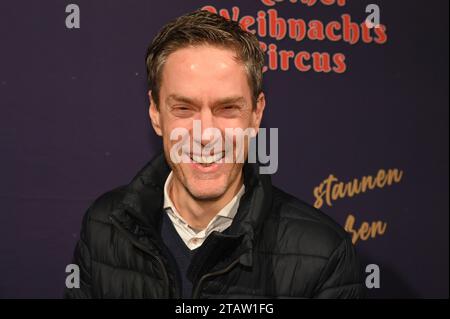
x=362 y=112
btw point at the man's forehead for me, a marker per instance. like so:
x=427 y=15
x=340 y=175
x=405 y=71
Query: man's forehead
x=204 y=75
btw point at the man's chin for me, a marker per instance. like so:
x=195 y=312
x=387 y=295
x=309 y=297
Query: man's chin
x=206 y=190
x=207 y=196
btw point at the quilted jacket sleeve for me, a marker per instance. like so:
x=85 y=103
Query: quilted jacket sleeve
x=342 y=276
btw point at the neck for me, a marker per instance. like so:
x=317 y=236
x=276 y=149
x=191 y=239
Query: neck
x=198 y=213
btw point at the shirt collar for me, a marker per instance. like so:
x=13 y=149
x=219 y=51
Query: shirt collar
x=227 y=212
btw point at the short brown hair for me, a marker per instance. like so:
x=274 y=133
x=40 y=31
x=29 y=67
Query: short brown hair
x=203 y=27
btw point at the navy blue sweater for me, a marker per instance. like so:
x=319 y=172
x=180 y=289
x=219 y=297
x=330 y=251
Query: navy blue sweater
x=181 y=255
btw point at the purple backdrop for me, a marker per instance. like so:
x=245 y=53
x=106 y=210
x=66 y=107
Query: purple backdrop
x=74 y=124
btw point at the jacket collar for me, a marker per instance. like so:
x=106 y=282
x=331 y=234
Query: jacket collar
x=143 y=202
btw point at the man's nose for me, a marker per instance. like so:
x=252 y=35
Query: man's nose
x=207 y=122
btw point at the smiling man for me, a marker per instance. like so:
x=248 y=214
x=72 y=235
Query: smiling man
x=197 y=222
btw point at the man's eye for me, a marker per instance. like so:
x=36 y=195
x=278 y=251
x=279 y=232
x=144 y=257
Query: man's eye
x=229 y=110
x=182 y=110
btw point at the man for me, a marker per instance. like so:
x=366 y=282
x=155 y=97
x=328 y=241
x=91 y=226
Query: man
x=204 y=227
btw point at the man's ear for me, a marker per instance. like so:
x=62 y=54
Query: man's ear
x=259 y=111
x=155 y=115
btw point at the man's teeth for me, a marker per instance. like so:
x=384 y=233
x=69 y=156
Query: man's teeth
x=207 y=159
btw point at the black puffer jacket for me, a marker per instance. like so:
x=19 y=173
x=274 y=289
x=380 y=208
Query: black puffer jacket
x=277 y=246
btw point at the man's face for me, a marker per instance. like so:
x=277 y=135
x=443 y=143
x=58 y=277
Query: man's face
x=208 y=84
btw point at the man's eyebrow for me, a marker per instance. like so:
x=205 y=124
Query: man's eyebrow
x=182 y=99
x=230 y=100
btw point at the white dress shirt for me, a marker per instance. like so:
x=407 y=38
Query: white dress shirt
x=193 y=238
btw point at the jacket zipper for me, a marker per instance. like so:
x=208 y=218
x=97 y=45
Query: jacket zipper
x=196 y=291
x=143 y=248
